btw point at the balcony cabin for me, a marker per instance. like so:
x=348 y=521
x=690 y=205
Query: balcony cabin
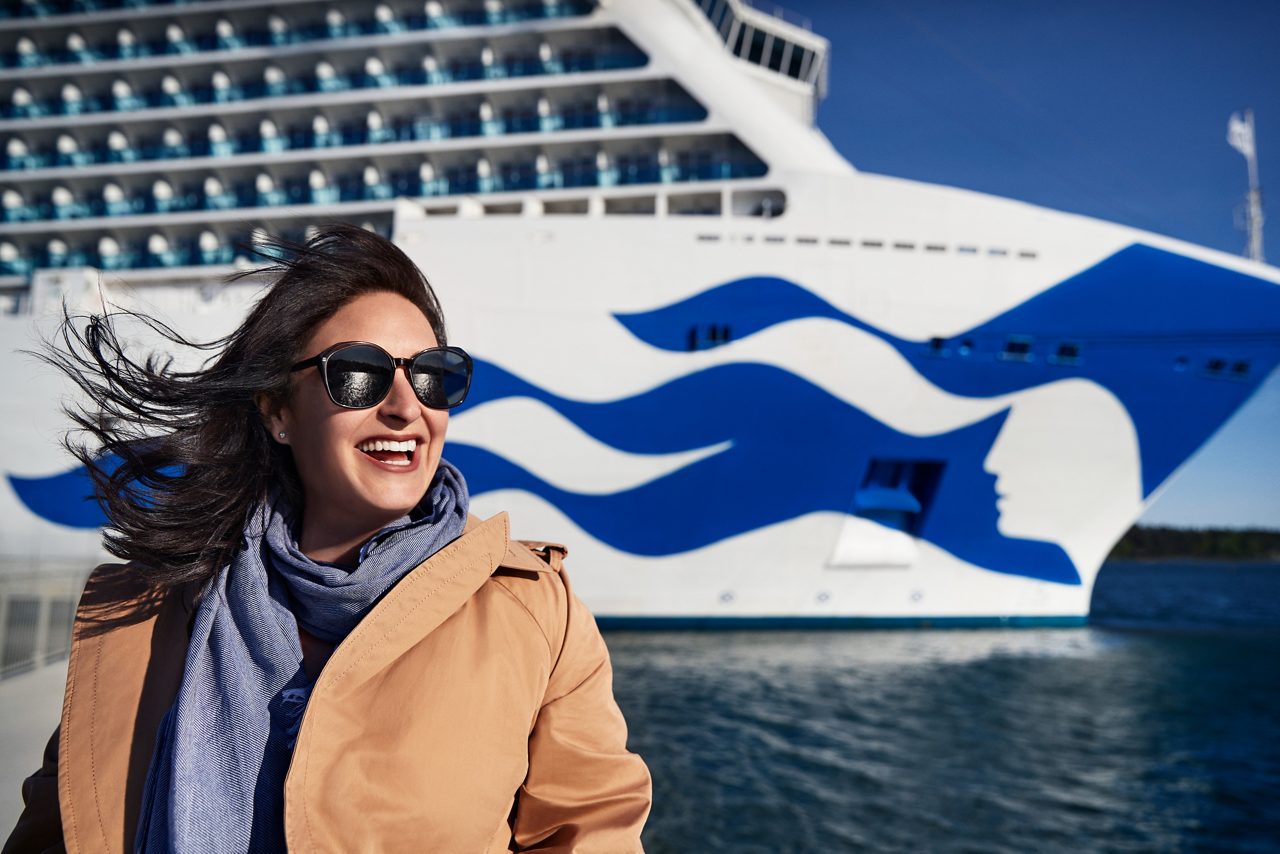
x=123 y=97
x=173 y=94
x=114 y=202
x=220 y=145
x=176 y=41
x=226 y=36
x=216 y=196
x=118 y=148
x=269 y=135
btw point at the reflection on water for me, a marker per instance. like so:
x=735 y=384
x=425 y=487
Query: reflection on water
x=957 y=740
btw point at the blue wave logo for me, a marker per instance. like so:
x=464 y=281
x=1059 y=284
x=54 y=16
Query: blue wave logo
x=1147 y=323
x=64 y=499
x=785 y=460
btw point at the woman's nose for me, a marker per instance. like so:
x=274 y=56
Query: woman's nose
x=400 y=401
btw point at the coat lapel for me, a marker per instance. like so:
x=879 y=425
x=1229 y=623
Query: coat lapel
x=415 y=607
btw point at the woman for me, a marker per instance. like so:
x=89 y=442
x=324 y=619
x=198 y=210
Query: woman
x=312 y=644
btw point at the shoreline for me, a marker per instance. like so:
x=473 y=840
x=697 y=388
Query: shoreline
x=1263 y=560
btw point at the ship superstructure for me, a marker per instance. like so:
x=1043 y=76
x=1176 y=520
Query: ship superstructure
x=743 y=380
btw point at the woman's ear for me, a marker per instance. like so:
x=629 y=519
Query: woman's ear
x=275 y=417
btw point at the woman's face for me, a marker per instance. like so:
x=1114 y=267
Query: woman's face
x=350 y=491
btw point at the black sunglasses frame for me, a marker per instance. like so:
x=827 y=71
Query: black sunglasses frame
x=321 y=361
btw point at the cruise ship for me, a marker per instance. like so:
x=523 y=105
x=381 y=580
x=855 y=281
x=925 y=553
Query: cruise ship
x=746 y=383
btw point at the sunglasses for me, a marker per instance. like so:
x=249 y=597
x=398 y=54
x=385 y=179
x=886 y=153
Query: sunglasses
x=358 y=375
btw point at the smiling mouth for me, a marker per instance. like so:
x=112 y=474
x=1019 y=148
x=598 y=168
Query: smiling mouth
x=390 y=452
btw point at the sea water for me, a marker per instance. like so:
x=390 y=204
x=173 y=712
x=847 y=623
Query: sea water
x=1157 y=728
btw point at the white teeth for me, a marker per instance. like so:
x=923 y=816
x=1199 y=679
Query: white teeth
x=387 y=445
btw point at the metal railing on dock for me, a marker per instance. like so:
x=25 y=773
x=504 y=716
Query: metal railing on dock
x=36 y=613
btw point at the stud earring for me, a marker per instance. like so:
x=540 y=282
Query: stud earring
x=281 y=434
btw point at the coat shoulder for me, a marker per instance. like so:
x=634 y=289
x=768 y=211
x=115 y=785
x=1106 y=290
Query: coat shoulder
x=533 y=574
x=119 y=595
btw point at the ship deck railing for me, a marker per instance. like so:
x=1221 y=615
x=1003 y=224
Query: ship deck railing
x=419 y=129
x=44 y=10
x=578 y=62
x=294 y=198
x=354 y=187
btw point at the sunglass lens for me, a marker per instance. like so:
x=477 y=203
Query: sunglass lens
x=359 y=376
x=441 y=377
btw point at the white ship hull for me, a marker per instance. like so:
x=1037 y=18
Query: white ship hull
x=891 y=403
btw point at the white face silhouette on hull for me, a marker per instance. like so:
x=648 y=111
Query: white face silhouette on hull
x=1067 y=469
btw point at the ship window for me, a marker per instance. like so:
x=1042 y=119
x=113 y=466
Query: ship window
x=756 y=51
x=764 y=203
x=565 y=206
x=740 y=42
x=934 y=247
x=904 y=245
x=873 y=244
x=840 y=241
x=786 y=57
x=631 y=205
x=1216 y=366
x=775 y=53
x=1068 y=353
x=717 y=17
x=693 y=204
x=704 y=336
x=504 y=208
x=897 y=493
x=937 y=347
x=967 y=250
x=966 y=347
x=1028 y=254
x=999 y=253
x=1239 y=370
x=1017 y=349
x=726 y=24
x=796 y=66
x=807 y=241
x=806 y=68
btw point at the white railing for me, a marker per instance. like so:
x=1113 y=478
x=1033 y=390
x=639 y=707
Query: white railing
x=36 y=613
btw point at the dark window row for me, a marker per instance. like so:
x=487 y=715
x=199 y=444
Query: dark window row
x=325 y=78
x=384 y=20
x=216 y=141
x=757 y=46
x=155 y=250
x=370 y=184
x=1016 y=348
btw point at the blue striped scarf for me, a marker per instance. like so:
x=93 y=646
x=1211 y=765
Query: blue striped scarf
x=216 y=781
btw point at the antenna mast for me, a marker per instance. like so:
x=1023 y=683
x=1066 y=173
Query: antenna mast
x=1240 y=137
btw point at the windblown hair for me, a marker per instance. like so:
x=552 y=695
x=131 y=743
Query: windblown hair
x=179 y=459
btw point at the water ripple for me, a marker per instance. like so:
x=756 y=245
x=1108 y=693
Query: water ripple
x=1046 y=740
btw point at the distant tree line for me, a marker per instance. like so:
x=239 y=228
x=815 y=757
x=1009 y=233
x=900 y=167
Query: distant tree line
x=1224 y=543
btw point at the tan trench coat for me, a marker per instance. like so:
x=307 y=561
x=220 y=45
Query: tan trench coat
x=472 y=710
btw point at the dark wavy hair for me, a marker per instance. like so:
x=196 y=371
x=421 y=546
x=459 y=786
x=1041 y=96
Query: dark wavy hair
x=179 y=459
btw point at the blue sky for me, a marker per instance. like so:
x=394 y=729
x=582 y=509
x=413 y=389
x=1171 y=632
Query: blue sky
x=1113 y=110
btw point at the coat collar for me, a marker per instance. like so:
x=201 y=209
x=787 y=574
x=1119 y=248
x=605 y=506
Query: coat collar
x=518 y=555
x=427 y=596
